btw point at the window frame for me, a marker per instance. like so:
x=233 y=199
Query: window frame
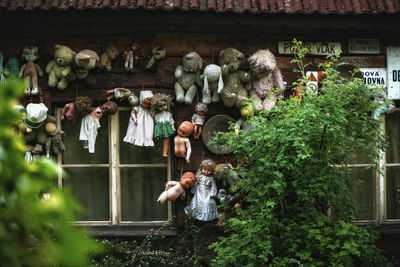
x=114 y=166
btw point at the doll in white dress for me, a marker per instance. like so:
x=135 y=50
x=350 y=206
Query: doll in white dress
x=203 y=206
x=141 y=123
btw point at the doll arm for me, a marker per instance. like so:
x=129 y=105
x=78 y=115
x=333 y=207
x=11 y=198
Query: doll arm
x=189 y=150
x=170 y=184
x=39 y=70
x=213 y=188
x=65 y=110
x=50 y=66
x=66 y=71
x=133 y=116
x=183 y=195
x=244 y=76
x=22 y=70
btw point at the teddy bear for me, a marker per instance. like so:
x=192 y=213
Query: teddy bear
x=59 y=69
x=30 y=70
x=150 y=61
x=226 y=174
x=212 y=83
x=86 y=60
x=188 y=77
x=110 y=54
x=266 y=77
x=233 y=92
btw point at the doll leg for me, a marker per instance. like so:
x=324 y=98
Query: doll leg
x=195 y=131
x=27 y=86
x=163 y=197
x=199 y=130
x=35 y=86
x=165 y=147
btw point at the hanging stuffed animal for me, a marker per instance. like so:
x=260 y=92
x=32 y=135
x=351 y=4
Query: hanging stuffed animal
x=121 y=94
x=198 y=119
x=80 y=107
x=151 y=60
x=31 y=70
x=141 y=124
x=131 y=57
x=182 y=146
x=266 y=77
x=86 y=60
x=175 y=190
x=164 y=122
x=203 y=206
x=212 y=83
x=188 y=78
x=59 y=69
x=12 y=67
x=233 y=93
x=54 y=141
x=107 y=57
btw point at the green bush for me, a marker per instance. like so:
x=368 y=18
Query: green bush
x=33 y=231
x=298 y=154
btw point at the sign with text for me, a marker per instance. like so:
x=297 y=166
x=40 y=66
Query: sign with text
x=393 y=71
x=315 y=48
x=364 y=46
x=374 y=76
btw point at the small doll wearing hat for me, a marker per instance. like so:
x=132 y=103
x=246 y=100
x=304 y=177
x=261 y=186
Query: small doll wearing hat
x=91 y=123
x=174 y=189
x=182 y=146
x=164 y=122
x=203 y=206
x=141 y=123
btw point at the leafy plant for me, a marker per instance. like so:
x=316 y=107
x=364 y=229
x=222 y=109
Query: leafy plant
x=34 y=231
x=298 y=154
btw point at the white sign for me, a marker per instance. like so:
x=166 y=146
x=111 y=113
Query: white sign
x=374 y=76
x=393 y=72
x=314 y=79
x=364 y=46
x=315 y=48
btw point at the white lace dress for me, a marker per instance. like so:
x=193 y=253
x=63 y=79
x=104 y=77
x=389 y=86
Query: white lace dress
x=203 y=206
x=142 y=133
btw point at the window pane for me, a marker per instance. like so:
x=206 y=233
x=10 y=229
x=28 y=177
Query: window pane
x=90 y=188
x=140 y=188
x=75 y=153
x=363 y=188
x=131 y=154
x=393 y=192
x=392 y=130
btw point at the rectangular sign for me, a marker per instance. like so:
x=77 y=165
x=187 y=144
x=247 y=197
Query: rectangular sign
x=315 y=48
x=393 y=72
x=374 y=76
x=364 y=46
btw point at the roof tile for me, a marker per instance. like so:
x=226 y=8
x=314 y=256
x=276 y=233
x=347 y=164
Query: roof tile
x=340 y=7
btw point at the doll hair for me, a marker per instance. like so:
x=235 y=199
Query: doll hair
x=112 y=107
x=157 y=100
x=207 y=162
x=201 y=107
x=188 y=175
x=83 y=105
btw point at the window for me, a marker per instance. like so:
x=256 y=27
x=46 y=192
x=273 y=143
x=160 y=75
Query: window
x=119 y=184
x=377 y=195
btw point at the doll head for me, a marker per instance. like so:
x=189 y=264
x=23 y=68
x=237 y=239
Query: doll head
x=185 y=129
x=145 y=98
x=201 y=108
x=187 y=180
x=207 y=167
x=109 y=107
x=160 y=102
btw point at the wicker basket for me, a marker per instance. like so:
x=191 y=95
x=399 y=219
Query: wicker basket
x=218 y=123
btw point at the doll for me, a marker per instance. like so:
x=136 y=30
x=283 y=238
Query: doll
x=31 y=70
x=164 y=123
x=109 y=107
x=174 y=189
x=89 y=126
x=182 y=145
x=121 y=94
x=131 y=57
x=80 y=107
x=141 y=124
x=203 y=206
x=198 y=119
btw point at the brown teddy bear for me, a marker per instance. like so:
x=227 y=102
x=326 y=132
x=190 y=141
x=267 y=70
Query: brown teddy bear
x=110 y=54
x=85 y=61
x=233 y=93
x=188 y=78
x=266 y=76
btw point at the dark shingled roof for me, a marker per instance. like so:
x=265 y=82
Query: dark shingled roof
x=338 y=7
